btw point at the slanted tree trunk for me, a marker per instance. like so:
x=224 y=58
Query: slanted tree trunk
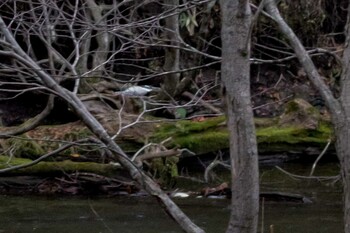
x=235 y=73
x=99 y=131
x=339 y=108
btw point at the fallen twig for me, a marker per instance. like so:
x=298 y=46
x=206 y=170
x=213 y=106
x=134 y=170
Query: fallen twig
x=308 y=177
x=319 y=157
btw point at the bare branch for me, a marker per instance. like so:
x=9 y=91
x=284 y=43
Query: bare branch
x=308 y=177
x=319 y=157
x=31 y=123
x=303 y=57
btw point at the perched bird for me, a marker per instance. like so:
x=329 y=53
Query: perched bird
x=137 y=90
x=179 y=194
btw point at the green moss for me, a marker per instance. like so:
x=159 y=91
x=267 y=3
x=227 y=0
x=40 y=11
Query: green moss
x=291 y=106
x=200 y=137
x=292 y=138
x=294 y=135
x=265 y=122
x=25 y=146
x=5 y=160
x=205 y=137
x=165 y=170
x=185 y=127
x=206 y=142
x=300 y=106
x=51 y=168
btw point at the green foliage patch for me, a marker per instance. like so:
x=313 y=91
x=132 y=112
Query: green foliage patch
x=52 y=168
x=211 y=135
x=205 y=142
x=26 y=146
x=295 y=135
x=184 y=127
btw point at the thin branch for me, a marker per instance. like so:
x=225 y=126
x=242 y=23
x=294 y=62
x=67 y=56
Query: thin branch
x=304 y=58
x=211 y=166
x=253 y=22
x=154 y=155
x=308 y=177
x=319 y=157
x=31 y=123
x=204 y=103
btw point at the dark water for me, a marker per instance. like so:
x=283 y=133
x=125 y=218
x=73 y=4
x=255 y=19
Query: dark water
x=143 y=214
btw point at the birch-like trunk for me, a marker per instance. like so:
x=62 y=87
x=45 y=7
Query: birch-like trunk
x=235 y=74
x=172 y=55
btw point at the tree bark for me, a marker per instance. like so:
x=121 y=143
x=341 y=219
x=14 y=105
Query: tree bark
x=343 y=150
x=172 y=55
x=235 y=74
x=342 y=127
x=103 y=38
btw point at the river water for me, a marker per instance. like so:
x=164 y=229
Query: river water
x=23 y=214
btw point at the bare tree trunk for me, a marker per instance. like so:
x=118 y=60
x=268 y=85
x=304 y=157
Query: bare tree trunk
x=103 y=38
x=235 y=73
x=339 y=108
x=341 y=124
x=343 y=149
x=172 y=55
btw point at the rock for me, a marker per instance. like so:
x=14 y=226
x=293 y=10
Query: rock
x=299 y=112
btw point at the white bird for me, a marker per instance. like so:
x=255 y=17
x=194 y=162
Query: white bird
x=137 y=90
x=180 y=194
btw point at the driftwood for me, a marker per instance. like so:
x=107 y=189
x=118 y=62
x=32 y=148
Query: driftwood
x=223 y=190
x=75 y=184
x=285 y=197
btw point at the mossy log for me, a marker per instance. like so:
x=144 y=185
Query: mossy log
x=57 y=168
x=271 y=139
x=300 y=127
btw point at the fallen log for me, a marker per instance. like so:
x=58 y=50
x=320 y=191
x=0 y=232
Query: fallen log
x=45 y=168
